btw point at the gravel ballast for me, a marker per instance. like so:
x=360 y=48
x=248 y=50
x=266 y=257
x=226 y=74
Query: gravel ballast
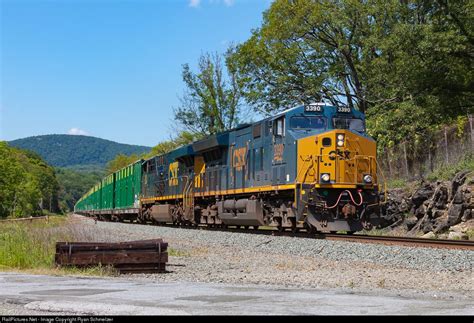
x=230 y=257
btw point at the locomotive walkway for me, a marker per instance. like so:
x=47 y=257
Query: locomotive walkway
x=115 y=296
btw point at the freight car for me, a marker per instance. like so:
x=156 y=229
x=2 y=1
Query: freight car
x=312 y=167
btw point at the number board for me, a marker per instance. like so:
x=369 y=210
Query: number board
x=313 y=108
x=344 y=110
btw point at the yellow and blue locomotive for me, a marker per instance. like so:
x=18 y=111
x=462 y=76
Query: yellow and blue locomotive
x=311 y=167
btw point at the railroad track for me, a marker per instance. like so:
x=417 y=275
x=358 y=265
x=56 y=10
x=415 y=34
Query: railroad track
x=386 y=240
x=405 y=241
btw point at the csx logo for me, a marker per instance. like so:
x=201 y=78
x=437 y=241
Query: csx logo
x=278 y=152
x=173 y=174
x=239 y=157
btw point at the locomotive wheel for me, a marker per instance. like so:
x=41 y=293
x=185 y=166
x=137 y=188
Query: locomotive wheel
x=246 y=227
x=349 y=233
x=255 y=227
x=294 y=229
x=309 y=228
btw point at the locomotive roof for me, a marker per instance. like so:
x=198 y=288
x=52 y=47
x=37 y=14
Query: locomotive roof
x=222 y=138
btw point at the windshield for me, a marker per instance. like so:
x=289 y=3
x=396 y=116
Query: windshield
x=351 y=124
x=307 y=122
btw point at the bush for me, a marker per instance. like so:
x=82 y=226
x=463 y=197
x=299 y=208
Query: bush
x=447 y=172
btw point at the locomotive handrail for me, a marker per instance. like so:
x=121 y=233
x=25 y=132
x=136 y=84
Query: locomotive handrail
x=384 y=181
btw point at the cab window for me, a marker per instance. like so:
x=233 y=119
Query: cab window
x=351 y=124
x=303 y=122
x=279 y=127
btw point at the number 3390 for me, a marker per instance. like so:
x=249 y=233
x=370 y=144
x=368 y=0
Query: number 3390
x=343 y=109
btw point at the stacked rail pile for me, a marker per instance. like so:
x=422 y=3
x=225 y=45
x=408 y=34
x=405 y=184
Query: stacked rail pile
x=145 y=256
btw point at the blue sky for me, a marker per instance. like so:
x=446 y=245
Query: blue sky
x=107 y=68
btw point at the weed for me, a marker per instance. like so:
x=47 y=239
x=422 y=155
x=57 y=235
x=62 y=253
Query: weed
x=381 y=283
x=31 y=245
x=470 y=234
x=447 y=172
x=178 y=253
x=396 y=183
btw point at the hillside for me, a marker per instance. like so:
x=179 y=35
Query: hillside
x=76 y=151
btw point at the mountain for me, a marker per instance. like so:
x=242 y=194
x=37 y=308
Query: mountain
x=76 y=151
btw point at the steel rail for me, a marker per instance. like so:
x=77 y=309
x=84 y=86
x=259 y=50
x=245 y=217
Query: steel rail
x=360 y=238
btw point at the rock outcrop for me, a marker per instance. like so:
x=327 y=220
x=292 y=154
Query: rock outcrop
x=433 y=207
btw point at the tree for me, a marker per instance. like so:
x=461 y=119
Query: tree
x=120 y=161
x=306 y=51
x=407 y=64
x=27 y=184
x=74 y=184
x=183 y=138
x=211 y=102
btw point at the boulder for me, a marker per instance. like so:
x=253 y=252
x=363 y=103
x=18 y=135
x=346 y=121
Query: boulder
x=429 y=235
x=467 y=215
x=455 y=213
x=457 y=181
x=420 y=212
x=422 y=194
x=434 y=207
x=410 y=223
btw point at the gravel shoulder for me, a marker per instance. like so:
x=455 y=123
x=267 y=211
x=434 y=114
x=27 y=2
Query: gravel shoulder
x=246 y=258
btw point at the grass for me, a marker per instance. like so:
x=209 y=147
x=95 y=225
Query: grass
x=381 y=283
x=177 y=253
x=447 y=172
x=375 y=232
x=470 y=234
x=397 y=183
x=31 y=245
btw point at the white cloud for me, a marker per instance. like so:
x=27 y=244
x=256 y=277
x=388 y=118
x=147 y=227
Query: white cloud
x=197 y=3
x=77 y=131
x=194 y=3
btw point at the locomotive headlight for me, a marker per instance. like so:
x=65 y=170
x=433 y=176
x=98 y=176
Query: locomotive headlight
x=325 y=177
x=368 y=179
x=340 y=140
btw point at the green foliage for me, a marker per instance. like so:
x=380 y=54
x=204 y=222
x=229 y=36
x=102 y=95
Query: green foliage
x=32 y=245
x=69 y=150
x=178 y=253
x=211 y=102
x=120 y=161
x=407 y=64
x=28 y=245
x=447 y=172
x=166 y=146
x=183 y=138
x=470 y=234
x=396 y=183
x=27 y=183
x=73 y=184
